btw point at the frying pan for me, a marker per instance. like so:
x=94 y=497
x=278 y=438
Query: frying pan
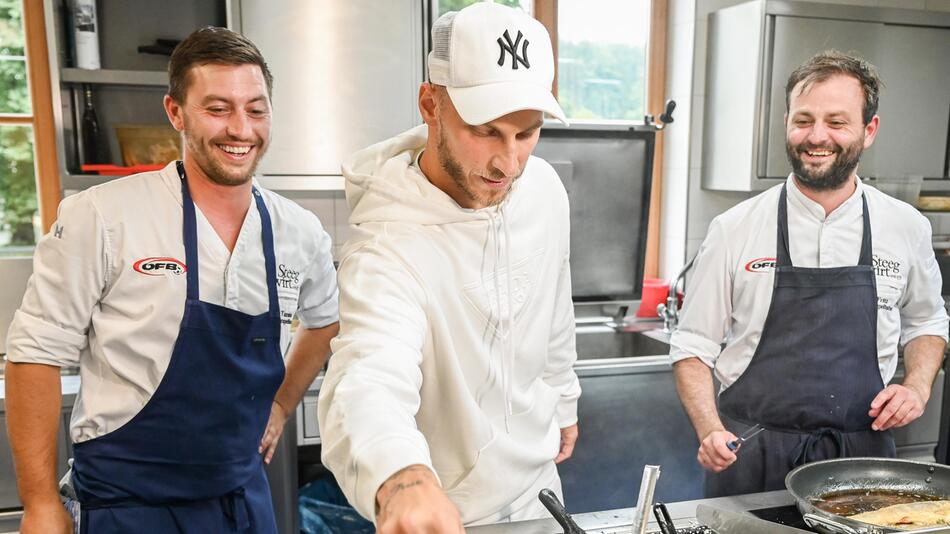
x=813 y=480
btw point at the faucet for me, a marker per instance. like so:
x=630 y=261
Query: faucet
x=670 y=311
x=619 y=320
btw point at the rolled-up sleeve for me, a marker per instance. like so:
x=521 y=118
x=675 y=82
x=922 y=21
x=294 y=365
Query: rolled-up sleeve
x=707 y=308
x=921 y=306
x=70 y=270
x=318 y=305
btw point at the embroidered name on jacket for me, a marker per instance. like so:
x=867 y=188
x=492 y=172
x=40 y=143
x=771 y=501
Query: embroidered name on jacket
x=159 y=266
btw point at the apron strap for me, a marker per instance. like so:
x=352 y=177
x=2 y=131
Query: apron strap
x=270 y=262
x=235 y=508
x=190 y=237
x=190 y=234
x=783 y=257
x=804 y=451
x=866 y=250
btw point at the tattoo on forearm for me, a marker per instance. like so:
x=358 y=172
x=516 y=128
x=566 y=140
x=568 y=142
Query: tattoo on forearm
x=396 y=489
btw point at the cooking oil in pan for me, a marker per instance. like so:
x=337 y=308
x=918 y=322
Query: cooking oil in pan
x=850 y=502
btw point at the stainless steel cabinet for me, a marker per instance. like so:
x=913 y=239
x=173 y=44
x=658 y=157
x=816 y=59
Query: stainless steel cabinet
x=346 y=75
x=754 y=46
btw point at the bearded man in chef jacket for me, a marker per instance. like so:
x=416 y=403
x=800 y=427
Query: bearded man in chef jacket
x=814 y=285
x=173 y=292
x=452 y=393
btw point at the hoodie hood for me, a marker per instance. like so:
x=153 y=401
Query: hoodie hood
x=381 y=186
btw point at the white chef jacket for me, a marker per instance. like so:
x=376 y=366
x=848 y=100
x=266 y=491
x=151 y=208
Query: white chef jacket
x=729 y=292
x=108 y=288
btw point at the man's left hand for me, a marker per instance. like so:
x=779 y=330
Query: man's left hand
x=568 y=438
x=896 y=406
x=275 y=427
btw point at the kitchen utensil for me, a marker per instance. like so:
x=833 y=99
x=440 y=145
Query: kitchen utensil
x=553 y=504
x=750 y=433
x=729 y=522
x=641 y=515
x=662 y=516
x=815 y=480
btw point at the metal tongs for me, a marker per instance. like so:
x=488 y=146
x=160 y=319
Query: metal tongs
x=744 y=437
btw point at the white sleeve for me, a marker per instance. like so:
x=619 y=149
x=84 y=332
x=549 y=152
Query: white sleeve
x=70 y=270
x=707 y=307
x=921 y=305
x=371 y=391
x=318 y=304
x=562 y=351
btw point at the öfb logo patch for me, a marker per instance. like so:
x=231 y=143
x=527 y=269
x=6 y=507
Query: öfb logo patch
x=159 y=266
x=761 y=265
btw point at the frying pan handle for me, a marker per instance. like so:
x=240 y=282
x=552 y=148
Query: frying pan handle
x=553 y=504
x=813 y=520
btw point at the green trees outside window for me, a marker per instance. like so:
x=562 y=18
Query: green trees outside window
x=18 y=200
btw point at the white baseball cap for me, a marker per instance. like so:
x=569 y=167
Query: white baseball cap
x=493 y=60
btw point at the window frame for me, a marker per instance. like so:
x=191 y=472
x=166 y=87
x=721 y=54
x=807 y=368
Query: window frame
x=546 y=12
x=45 y=163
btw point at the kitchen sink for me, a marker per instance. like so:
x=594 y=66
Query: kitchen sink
x=605 y=340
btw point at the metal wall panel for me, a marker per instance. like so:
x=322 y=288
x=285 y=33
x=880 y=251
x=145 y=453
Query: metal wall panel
x=346 y=75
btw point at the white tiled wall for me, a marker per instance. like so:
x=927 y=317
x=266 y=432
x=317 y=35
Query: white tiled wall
x=332 y=210
x=687 y=208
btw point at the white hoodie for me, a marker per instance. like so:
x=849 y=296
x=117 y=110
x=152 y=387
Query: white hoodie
x=429 y=366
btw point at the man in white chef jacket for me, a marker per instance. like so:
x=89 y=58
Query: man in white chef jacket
x=813 y=285
x=184 y=391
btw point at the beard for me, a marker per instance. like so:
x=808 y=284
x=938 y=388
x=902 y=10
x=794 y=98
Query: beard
x=843 y=166
x=451 y=165
x=203 y=152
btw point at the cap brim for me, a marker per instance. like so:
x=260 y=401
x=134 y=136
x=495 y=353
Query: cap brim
x=481 y=104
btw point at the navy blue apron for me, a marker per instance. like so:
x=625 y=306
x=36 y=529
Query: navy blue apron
x=188 y=461
x=813 y=375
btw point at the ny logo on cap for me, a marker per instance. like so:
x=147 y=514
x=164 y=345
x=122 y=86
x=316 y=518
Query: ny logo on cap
x=512 y=48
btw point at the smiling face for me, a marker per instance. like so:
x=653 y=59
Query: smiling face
x=225 y=119
x=478 y=164
x=825 y=133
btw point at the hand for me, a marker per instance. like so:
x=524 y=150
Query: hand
x=48 y=519
x=275 y=427
x=568 y=438
x=896 y=406
x=412 y=502
x=714 y=454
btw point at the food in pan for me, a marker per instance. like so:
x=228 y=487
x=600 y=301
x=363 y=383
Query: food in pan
x=909 y=516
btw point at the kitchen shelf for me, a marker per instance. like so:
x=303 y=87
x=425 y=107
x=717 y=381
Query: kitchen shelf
x=115 y=77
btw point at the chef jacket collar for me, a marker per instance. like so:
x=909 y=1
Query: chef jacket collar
x=814 y=209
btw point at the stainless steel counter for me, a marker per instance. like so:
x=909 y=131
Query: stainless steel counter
x=620 y=521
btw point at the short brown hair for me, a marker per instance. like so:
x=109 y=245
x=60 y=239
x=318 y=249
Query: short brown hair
x=826 y=64
x=212 y=45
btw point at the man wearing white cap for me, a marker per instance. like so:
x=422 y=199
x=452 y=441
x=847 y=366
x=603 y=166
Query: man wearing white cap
x=451 y=394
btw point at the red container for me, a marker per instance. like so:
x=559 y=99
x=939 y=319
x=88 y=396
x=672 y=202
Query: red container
x=655 y=291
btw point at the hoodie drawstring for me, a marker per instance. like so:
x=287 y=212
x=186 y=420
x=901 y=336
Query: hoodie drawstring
x=506 y=320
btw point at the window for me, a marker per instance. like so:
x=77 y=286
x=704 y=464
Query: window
x=602 y=59
x=19 y=207
x=454 y=5
x=602 y=53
